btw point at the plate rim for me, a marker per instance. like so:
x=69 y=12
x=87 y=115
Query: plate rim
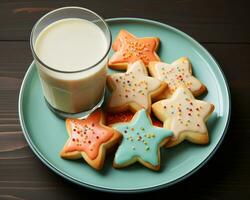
x=146 y=189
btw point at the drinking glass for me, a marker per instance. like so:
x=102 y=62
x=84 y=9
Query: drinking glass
x=72 y=94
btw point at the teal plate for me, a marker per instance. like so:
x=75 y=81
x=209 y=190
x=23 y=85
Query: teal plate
x=46 y=134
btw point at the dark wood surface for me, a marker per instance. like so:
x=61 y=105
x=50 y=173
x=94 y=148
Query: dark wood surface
x=222 y=26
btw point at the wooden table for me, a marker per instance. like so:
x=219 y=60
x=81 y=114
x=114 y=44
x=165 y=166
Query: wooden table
x=222 y=26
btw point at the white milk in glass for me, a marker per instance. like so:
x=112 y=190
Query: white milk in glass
x=70 y=45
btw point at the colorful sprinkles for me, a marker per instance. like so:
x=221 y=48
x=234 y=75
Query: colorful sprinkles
x=186 y=112
x=136 y=48
x=177 y=74
x=133 y=86
x=87 y=135
x=184 y=117
x=133 y=49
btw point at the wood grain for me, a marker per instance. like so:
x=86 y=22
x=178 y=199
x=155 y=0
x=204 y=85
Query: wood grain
x=221 y=26
x=207 y=21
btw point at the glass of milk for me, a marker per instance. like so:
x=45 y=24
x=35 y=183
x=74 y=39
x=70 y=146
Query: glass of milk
x=70 y=47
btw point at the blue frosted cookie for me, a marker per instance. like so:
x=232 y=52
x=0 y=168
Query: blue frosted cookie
x=141 y=142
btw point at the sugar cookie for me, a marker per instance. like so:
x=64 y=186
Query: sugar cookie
x=141 y=142
x=89 y=138
x=185 y=116
x=176 y=74
x=113 y=118
x=129 y=49
x=134 y=89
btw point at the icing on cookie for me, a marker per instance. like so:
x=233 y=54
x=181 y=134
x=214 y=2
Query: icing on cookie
x=112 y=118
x=126 y=116
x=129 y=49
x=140 y=139
x=184 y=113
x=87 y=135
x=177 y=74
x=133 y=86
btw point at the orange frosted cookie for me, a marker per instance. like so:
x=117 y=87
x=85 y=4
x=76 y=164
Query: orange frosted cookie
x=89 y=138
x=176 y=74
x=129 y=49
x=185 y=116
x=113 y=118
x=133 y=89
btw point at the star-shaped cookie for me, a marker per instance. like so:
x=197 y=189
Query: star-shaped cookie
x=141 y=142
x=89 y=138
x=134 y=89
x=176 y=74
x=129 y=49
x=113 y=118
x=185 y=116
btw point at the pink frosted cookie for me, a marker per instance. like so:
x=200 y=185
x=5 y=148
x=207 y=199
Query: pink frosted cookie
x=176 y=74
x=185 y=116
x=133 y=90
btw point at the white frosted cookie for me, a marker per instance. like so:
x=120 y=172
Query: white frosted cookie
x=176 y=74
x=133 y=89
x=185 y=116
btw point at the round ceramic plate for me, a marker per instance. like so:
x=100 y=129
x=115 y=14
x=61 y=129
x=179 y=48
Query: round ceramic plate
x=46 y=134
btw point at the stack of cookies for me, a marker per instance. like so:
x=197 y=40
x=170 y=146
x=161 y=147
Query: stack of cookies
x=148 y=89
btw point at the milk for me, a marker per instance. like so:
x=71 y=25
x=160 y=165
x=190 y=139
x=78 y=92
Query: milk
x=70 y=45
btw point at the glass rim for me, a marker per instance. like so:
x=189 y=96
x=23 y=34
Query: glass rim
x=64 y=8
